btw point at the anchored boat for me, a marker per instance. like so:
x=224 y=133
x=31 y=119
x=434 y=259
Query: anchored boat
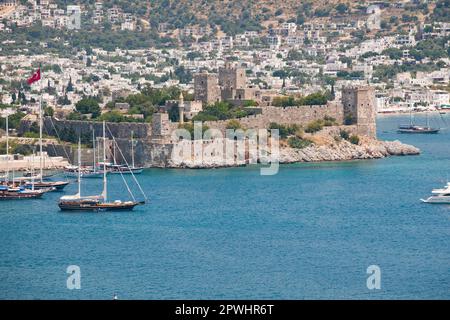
x=412 y=128
x=19 y=193
x=96 y=202
x=440 y=196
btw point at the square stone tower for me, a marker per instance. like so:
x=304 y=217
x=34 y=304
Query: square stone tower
x=160 y=127
x=206 y=88
x=359 y=109
x=230 y=80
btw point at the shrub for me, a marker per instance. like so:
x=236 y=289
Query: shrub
x=344 y=134
x=284 y=130
x=234 y=124
x=329 y=121
x=314 y=126
x=298 y=143
x=354 y=139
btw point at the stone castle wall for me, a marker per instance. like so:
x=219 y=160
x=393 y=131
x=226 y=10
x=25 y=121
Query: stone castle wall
x=119 y=130
x=301 y=115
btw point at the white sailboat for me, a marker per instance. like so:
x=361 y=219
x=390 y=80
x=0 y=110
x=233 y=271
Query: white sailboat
x=125 y=169
x=73 y=171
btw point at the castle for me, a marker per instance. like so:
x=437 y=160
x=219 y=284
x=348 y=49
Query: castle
x=230 y=84
x=356 y=110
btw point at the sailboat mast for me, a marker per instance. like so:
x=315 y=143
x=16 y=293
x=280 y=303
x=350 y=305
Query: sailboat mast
x=32 y=172
x=132 y=150
x=93 y=147
x=79 y=166
x=40 y=129
x=410 y=115
x=104 y=164
x=7 y=150
x=114 y=153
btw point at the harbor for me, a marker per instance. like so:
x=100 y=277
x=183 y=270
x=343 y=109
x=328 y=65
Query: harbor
x=199 y=233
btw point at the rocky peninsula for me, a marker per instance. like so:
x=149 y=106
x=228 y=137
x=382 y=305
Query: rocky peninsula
x=345 y=151
x=323 y=148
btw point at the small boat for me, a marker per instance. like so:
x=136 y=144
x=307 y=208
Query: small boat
x=72 y=171
x=417 y=129
x=121 y=169
x=97 y=202
x=440 y=196
x=8 y=193
x=53 y=185
x=46 y=175
x=124 y=169
x=412 y=128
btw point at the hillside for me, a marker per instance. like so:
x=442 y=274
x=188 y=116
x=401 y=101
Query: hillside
x=235 y=16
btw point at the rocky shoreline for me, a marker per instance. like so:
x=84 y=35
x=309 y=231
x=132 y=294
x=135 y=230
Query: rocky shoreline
x=368 y=148
x=345 y=151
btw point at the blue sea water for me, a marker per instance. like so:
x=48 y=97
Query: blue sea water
x=309 y=232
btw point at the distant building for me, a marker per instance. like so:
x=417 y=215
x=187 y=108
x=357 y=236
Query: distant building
x=359 y=108
x=206 y=88
x=230 y=80
x=74 y=17
x=122 y=107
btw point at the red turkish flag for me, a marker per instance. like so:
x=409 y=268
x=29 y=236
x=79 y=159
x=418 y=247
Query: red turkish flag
x=35 y=77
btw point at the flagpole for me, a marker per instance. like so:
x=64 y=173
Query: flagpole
x=40 y=124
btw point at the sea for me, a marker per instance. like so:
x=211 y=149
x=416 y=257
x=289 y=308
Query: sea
x=312 y=231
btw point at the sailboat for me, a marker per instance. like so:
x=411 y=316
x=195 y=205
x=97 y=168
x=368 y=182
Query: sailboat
x=41 y=184
x=412 y=128
x=124 y=169
x=11 y=191
x=87 y=172
x=97 y=202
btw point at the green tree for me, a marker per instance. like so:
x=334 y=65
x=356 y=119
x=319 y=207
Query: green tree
x=88 y=105
x=341 y=8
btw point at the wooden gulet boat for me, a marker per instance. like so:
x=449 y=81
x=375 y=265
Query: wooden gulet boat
x=11 y=191
x=95 y=203
x=41 y=184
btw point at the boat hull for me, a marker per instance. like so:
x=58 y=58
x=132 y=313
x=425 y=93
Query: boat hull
x=127 y=171
x=60 y=185
x=85 y=174
x=437 y=200
x=96 y=206
x=409 y=131
x=8 y=195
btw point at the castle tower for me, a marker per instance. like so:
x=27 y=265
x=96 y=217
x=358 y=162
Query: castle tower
x=359 y=109
x=160 y=127
x=206 y=88
x=181 y=108
x=230 y=80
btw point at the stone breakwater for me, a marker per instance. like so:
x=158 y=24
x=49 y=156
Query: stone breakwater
x=368 y=148
x=345 y=151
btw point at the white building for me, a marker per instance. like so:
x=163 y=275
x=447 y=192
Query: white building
x=74 y=17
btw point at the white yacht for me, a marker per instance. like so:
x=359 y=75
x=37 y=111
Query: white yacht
x=440 y=196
